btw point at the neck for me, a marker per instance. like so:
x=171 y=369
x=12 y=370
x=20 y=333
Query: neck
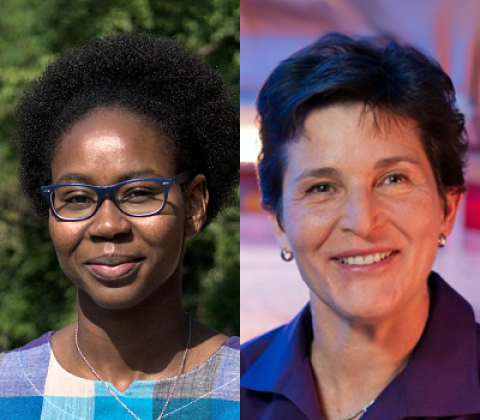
x=354 y=361
x=142 y=342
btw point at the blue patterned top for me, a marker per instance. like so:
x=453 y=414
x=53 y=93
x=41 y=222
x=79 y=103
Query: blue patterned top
x=33 y=386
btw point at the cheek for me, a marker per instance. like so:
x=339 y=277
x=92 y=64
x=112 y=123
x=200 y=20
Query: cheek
x=420 y=215
x=65 y=236
x=161 y=238
x=307 y=229
x=159 y=234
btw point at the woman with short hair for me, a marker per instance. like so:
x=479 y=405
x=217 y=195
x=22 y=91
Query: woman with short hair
x=363 y=152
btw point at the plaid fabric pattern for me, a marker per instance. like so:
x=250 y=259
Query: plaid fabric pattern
x=33 y=386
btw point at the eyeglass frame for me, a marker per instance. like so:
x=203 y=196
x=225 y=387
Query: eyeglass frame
x=110 y=190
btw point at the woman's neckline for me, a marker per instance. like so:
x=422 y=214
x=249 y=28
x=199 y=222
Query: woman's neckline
x=136 y=383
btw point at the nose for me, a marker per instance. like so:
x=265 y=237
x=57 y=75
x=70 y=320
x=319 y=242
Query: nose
x=109 y=222
x=361 y=214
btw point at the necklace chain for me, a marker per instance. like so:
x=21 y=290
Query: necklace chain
x=358 y=413
x=180 y=371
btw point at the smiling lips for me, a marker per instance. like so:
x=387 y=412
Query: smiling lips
x=366 y=259
x=112 y=267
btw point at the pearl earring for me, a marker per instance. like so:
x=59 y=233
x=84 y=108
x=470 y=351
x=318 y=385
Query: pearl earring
x=442 y=241
x=286 y=254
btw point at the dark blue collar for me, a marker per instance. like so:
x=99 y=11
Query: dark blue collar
x=442 y=376
x=441 y=379
x=284 y=367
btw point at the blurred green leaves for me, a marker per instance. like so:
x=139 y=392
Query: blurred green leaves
x=35 y=296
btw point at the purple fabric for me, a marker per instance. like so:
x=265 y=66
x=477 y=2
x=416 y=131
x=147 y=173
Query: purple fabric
x=233 y=343
x=45 y=338
x=440 y=380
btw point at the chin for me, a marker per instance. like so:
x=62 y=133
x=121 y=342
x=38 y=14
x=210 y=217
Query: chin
x=118 y=304
x=112 y=298
x=362 y=308
x=370 y=317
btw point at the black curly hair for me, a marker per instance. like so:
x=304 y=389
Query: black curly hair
x=154 y=78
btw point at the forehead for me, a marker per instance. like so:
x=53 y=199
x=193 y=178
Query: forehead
x=350 y=136
x=108 y=143
x=108 y=118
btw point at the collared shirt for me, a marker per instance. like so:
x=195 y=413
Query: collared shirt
x=440 y=380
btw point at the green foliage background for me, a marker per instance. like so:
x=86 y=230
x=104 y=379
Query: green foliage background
x=35 y=296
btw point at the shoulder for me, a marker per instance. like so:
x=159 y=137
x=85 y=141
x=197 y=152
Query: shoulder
x=253 y=349
x=231 y=359
x=281 y=343
x=478 y=347
x=233 y=343
x=219 y=381
x=229 y=354
x=225 y=366
x=23 y=370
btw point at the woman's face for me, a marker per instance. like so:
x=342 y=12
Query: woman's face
x=119 y=260
x=362 y=213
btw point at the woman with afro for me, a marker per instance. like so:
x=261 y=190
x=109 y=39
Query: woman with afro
x=129 y=144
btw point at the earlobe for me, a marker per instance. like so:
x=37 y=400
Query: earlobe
x=196 y=200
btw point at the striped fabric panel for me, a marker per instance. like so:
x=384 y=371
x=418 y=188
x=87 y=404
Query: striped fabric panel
x=33 y=386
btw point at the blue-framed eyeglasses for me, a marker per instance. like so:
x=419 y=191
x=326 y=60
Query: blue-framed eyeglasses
x=136 y=197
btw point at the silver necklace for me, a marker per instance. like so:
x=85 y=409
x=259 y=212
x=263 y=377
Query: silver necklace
x=358 y=413
x=180 y=371
x=362 y=411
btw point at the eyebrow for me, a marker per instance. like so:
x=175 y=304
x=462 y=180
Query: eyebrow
x=75 y=177
x=318 y=173
x=382 y=163
x=335 y=173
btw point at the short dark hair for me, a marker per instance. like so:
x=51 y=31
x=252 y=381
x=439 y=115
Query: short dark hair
x=154 y=78
x=378 y=72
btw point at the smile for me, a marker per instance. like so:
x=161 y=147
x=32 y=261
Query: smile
x=368 y=259
x=113 y=271
x=112 y=268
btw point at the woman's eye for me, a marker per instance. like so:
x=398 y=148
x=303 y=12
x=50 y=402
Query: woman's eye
x=321 y=188
x=79 y=199
x=393 y=179
x=138 y=195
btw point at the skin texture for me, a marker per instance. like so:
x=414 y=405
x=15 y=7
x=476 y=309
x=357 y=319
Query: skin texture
x=131 y=324
x=378 y=194
x=103 y=151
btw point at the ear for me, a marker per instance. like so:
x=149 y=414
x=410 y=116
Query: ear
x=452 y=204
x=196 y=201
x=278 y=227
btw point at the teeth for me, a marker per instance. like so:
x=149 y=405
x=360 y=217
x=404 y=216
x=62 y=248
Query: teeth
x=365 y=259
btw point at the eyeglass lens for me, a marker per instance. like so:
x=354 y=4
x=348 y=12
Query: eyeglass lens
x=136 y=198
